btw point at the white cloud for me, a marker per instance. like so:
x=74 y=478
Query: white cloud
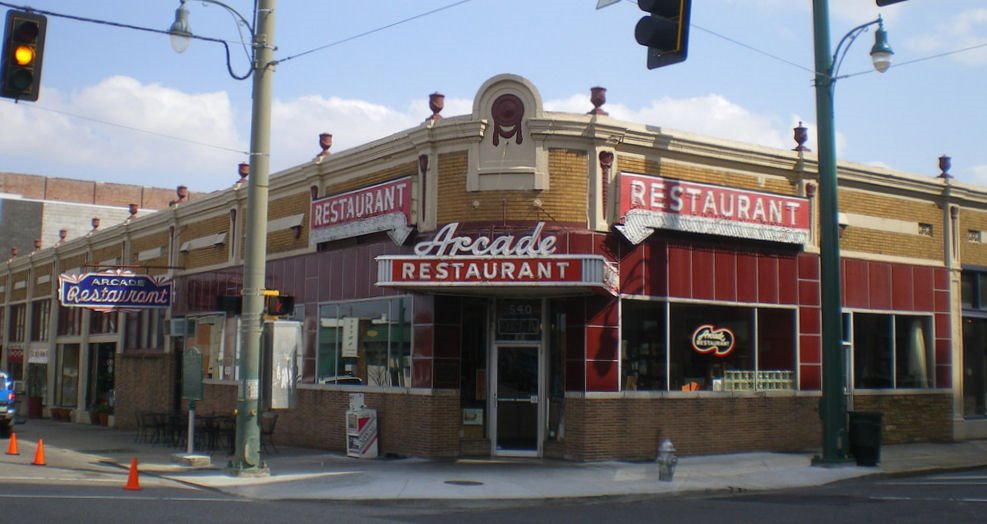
x=978 y=176
x=965 y=30
x=711 y=115
x=296 y=124
x=119 y=130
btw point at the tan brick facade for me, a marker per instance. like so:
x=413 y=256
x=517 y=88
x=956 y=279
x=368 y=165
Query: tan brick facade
x=155 y=265
x=106 y=253
x=882 y=242
x=43 y=286
x=19 y=285
x=971 y=251
x=286 y=240
x=897 y=270
x=564 y=202
x=210 y=255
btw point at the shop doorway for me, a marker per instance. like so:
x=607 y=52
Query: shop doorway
x=100 y=385
x=517 y=400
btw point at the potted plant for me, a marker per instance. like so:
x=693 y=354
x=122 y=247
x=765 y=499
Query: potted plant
x=101 y=414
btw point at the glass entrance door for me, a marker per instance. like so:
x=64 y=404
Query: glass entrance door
x=517 y=399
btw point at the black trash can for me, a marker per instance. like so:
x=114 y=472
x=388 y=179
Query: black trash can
x=865 y=437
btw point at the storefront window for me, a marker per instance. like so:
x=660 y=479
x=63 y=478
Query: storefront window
x=103 y=323
x=144 y=329
x=67 y=375
x=365 y=342
x=709 y=347
x=708 y=341
x=518 y=319
x=973 y=289
x=40 y=319
x=642 y=347
x=974 y=367
x=17 y=319
x=974 y=363
x=69 y=321
x=891 y=351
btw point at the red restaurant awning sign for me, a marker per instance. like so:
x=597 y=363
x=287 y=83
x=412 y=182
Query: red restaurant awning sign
x=651 y=202
x=381 y=207
x=452 y=260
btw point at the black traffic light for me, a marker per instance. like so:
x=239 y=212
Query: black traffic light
x=279 y=305
x=23 y=49
x=665 y=31
x=882 y=3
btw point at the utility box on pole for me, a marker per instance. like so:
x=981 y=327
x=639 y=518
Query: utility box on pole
x=283 y=346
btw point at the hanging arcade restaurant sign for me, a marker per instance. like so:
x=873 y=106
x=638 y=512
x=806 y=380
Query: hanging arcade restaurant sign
x=372 y=209
x=454 y=260
x=115 y=290
x=652 y=202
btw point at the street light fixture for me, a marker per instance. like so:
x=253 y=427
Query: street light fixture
x=833 y=409
x=181 y=35
x=246 y=460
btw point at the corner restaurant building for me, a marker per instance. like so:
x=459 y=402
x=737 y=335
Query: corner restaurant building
x=515 y=282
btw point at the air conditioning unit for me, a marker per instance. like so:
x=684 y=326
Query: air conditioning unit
x=179 y=327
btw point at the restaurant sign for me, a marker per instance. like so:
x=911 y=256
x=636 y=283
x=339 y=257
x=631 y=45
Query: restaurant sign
x=454 y=260
x=707 y=339
x=651 y=202
x=115 y=290
x=381 y=207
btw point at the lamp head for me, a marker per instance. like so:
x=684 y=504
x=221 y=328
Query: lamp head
x=181 y=35
x=881 y=52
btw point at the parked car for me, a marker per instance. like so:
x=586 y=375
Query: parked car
x=7 y=402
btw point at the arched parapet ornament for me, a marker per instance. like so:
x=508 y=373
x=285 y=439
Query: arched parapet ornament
x=507 y=157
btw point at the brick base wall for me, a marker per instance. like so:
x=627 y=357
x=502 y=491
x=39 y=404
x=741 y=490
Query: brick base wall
x=428 y=424
x=911 y=418
x=143 y=382
x=409 y=424
x=630 y=429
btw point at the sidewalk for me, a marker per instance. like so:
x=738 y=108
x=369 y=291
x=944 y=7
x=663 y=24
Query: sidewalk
x=299 y=473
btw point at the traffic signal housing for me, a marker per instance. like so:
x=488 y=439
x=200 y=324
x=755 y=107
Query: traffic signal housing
x=23 y=51
x=279 y=305
x=665 y=31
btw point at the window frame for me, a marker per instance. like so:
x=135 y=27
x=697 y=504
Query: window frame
x=355 y=370
x=752 y=378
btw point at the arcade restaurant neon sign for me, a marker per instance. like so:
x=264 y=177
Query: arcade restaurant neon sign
x=451 y=259
x=115 y=290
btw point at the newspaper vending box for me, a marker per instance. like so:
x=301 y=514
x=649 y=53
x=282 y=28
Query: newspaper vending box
x=361 y=429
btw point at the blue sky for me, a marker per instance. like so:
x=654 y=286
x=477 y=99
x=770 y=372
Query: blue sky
x=118 y=105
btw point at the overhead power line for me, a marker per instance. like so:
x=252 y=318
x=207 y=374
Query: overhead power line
x=372 y=31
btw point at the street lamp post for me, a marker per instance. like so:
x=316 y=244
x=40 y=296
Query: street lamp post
x=246 y=460
x=833 y=409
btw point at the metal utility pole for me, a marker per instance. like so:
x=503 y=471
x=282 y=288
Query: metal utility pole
x=247 y=454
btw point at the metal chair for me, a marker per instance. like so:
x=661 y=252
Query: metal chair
x=268 y=421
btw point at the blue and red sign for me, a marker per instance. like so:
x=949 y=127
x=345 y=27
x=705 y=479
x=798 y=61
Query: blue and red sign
x=115 y=290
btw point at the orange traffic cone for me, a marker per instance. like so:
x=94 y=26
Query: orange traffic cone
x=12 y=446
x=133 y=483
x=39 y=454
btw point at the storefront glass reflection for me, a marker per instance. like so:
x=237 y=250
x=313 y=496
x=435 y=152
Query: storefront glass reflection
x=712 y=347
x=365 y=342
x=891 y=351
